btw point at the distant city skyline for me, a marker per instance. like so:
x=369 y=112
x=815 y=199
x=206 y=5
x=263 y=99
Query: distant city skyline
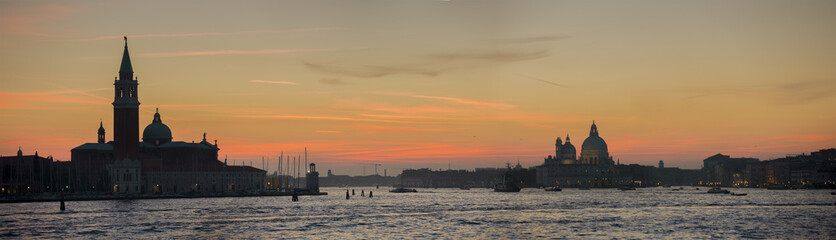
x=430 y=84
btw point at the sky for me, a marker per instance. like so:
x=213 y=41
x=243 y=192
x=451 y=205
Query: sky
x=428 y=84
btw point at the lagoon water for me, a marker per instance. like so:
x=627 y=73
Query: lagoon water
x=647 y=213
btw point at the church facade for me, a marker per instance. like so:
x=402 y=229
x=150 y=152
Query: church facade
x=157 y=164
x=594 y=167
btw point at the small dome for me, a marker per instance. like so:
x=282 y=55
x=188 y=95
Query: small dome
x=156 y=132
x=569 y=148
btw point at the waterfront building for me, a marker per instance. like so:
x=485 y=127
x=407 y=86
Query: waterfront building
x=723 y=170
x=814 y=170
x=157 y=164
x=594 y=168
x=26 y=174
x=312 y=179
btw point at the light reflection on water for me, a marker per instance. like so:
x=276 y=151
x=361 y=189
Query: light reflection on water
x=442 y=213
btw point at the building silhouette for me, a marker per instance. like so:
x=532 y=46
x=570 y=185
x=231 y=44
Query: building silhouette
x=27 y=173
x=594 y=168
x=157 y=164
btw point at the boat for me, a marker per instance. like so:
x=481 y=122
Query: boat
x=832 y=193
x=503 y=187
x=553 y=189
x=718 y=190
x=507 y=184
x=464 y=188
x=739 y=194
x=583 y=188
x=626 y=188
x=402 y=189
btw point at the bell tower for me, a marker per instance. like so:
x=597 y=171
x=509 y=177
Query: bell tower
x=125 y=111
x=101 y=133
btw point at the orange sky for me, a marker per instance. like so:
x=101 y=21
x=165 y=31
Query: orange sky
x=412 y=84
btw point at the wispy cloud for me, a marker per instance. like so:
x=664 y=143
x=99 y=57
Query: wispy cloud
x=371 y=71
x=388 y=108
x=28 y=20
x=494 y=56
x=331 y=118
x=404 y=116
x=231 y=52
x=395 y=129
x=453 y=100
x=332 y=81
x=201 y=34
x=546 y=82
x=468 y=101
x=534 y=39
x=158 y=35
x=804 y=91
x=58 y=99
x=274 y=82
x=327 y=131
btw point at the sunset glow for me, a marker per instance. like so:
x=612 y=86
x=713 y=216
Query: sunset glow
x=414 y=84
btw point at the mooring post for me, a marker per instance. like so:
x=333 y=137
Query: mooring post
x=370 y=194
x=62 y=204
x=346 y=194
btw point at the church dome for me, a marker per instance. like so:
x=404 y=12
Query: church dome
x=594 y=142
x=569 y=148
x=156 y=132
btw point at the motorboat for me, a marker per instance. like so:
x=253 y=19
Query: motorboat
x=718 y=190
x=403 y=190
x=739 y=194
x=505 y=187
x=507 y=184
x=553 y=189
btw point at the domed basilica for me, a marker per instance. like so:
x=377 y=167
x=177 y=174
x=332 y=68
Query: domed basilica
x=594 y=168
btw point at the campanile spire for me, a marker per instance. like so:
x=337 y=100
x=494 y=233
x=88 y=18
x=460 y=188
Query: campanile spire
x=125 y=111
x=126 y=71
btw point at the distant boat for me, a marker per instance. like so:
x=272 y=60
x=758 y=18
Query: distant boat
x=718 y=190
x=739 y=194
x=553 y=189
x=503 y=187
x=507 y=184
x=627 y=188
x=832 y=193
x=464 y=188
x=402 y=189
x=583 y=188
